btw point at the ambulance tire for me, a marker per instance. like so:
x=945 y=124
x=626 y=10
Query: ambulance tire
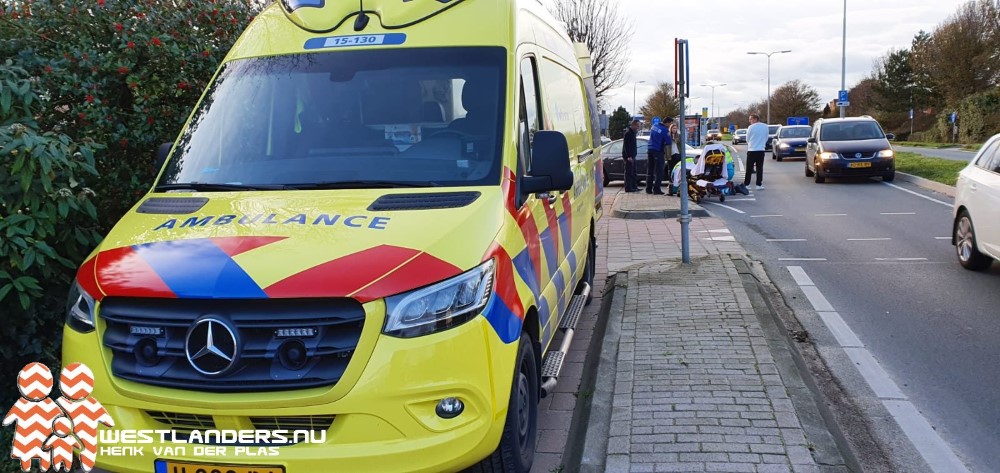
x=516 y=451
x=589 y=270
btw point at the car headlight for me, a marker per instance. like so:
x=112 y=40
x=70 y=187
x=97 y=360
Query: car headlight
x=783 y=146
x=829 y=155
x=440 y=306
x=80 y=309
x=886 y=153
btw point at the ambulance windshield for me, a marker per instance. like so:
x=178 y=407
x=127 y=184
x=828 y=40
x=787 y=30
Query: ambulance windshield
x=347 y=119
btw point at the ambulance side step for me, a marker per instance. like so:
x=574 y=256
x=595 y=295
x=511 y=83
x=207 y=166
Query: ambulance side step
x=554 y=358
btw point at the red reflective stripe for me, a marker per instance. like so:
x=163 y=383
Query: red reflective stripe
x=233 y=246
x=122 y=272
x=418 y=272
x=87 y=278
x=532 y=240
x=343 y=276
x=506 y=287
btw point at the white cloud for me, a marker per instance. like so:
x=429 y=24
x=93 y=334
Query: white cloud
x=721 y=32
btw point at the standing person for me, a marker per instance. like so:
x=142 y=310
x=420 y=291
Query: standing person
x=756 y=141
x=629 y=153
x=675 y=154
x=659 y=144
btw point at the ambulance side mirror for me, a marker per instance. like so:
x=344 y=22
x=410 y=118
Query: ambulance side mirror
x=162 y=153
x=550 y=170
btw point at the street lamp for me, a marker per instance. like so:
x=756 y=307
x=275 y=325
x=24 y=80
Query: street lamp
x=713 y=99
x=769 y=77
x=843 y=62
x=633 y=96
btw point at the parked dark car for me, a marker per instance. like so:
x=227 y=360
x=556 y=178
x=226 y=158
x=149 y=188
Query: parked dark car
x=614 y=165
x=849 y=147
x=791 y=142
x=740 y=136
x=772 y=131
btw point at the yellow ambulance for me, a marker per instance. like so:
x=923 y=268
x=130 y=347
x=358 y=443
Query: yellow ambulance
x=376 y=221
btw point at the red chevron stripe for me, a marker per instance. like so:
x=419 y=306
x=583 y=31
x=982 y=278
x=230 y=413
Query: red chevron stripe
x=87 y=277
x=506 y=287
x=418 y=272
x=123 y=272
x=507 y=187
x=526 y=222
x=342 y=276
x=233 y=246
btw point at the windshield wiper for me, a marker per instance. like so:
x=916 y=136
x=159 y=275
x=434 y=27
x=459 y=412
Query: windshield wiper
x=208 y=187
x=360 y=185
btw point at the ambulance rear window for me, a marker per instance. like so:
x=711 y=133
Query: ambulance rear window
x=412 y=117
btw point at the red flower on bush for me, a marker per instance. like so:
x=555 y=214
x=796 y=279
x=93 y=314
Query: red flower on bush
x=90 y=98
x=131 y=45
x=48 y=68
x=118 y=27
x=150 y=120
x=81 y=115
x=205 y=53
x=182 y=85
x=156 y=41
x=123 y=70
x=123 y=143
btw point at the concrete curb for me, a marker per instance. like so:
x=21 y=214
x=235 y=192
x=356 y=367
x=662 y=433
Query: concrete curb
x=927 y=184
x=588 y=443
x=655 y=214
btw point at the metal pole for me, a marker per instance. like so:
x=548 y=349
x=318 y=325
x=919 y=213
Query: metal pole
x=685 y=217
x=843 y=62
x=633 y=96
x=769 y=88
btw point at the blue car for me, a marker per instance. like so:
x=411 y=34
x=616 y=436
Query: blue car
x=790 y=142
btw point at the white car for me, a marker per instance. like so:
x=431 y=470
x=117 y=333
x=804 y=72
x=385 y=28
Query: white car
x=976 y=231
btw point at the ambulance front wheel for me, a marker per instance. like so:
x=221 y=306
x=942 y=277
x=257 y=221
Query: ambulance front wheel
x=516 y=451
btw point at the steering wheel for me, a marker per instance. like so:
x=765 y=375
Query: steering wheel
x=458 y=133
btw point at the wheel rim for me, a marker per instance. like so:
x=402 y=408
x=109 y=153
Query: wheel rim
x=965 y=237
x=523 y=408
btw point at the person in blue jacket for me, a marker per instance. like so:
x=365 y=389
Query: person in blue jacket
x=659 y=143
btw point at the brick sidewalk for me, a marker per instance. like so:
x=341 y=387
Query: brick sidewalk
x=695 y=387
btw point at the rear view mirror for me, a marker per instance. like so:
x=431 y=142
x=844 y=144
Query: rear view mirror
x=811 y=140
x=550 y=170
x=890 y=136
x=162 y=153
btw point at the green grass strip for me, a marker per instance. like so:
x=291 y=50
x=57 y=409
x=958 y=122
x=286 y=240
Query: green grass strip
x=940 y=170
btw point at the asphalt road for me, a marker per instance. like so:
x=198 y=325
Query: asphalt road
x=885 y=263
x=952 y=154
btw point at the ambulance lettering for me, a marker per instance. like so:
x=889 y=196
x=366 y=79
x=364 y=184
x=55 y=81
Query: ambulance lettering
x=329 y=220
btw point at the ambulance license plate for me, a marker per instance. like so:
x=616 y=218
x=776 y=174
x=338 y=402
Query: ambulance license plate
x=168 y=466
x=864 y=164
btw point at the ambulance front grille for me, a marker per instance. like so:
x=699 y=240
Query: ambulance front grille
x=282 y=343
x=290 y=423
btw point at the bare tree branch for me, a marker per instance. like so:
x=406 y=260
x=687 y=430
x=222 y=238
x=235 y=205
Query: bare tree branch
x=607 y=34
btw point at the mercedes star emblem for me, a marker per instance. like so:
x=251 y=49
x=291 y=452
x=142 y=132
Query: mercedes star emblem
x=211 y=346
x=857 y=155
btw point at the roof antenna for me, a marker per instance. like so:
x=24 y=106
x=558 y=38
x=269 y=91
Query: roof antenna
x=362 y=20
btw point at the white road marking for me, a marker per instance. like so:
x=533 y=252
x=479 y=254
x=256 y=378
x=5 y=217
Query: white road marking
x=728 y=207
x=801 y=259
x=719 y=230
x=942 y=238
x=817 y=299
x=919 y=195
x=762 y=216
x=900 y=259
x=723 y=238
x=868 y=239
x=938 y=455
x=747 y=199
x=898 y=213
x=800 y=276
x=844 y=335
x=831 y=215
x=775 y=240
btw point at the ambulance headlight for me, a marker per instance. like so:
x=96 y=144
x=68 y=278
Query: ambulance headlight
x=80 y=309
x=439 y=306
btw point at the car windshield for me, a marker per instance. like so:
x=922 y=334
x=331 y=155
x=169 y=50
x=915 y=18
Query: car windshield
x=772 y=129
x=795 y=132
x=849 y=131
x=370 y=118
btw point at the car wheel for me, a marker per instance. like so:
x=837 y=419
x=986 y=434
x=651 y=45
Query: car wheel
x=516 y=451
x=809 y=172
x=819 y=178
x=965 y=244
x=722 y=198
x=889 y=177
x=607 y=180
x=779 y=158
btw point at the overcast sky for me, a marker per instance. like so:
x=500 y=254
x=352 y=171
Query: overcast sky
x=721 y=32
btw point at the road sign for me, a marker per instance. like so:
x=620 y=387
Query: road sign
x=843 y=104
x=798 y=120
x=842 y=97
x=732 y=128
x=704 y=112
x=953 y=117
